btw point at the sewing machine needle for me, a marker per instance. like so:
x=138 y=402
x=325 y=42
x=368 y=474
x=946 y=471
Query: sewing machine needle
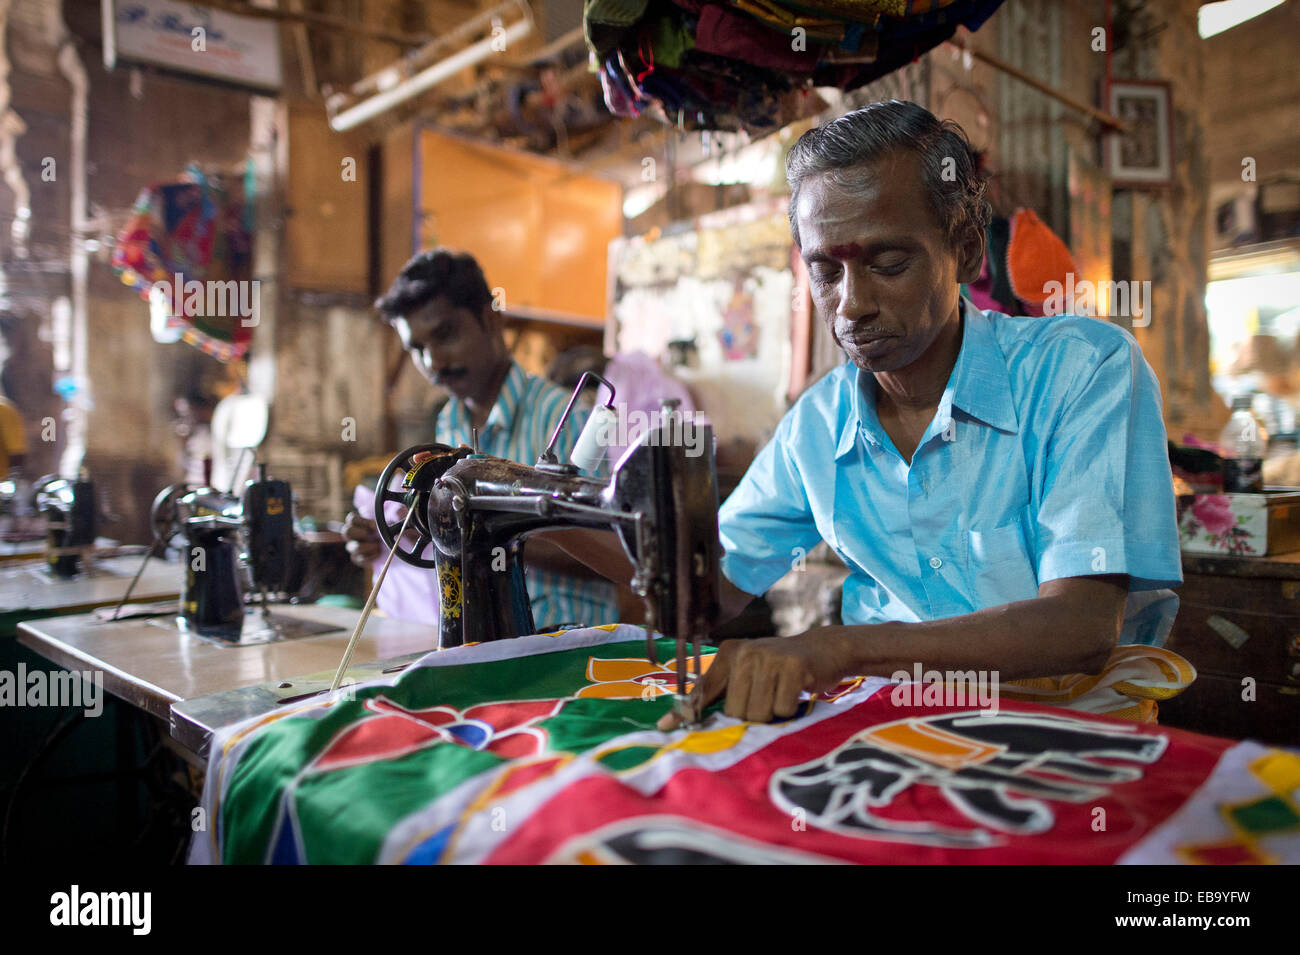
x=698 y=689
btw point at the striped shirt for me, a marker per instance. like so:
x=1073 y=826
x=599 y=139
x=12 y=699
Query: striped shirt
x=518 y=428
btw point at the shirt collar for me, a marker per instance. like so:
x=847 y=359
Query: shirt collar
x=504 y=408
x=979 y=385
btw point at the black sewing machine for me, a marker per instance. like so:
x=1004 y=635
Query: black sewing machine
x=474 y=512
x=228 y=538
x=71 y=521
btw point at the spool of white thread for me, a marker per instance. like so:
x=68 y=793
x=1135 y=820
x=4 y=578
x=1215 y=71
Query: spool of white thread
x=590 y=450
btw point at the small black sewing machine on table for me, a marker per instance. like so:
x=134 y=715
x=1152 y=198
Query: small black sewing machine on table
x=235 y=546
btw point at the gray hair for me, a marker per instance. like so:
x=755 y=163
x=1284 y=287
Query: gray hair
x=955 y=188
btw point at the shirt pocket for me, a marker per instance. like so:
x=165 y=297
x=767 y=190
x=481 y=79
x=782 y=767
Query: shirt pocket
x=999 y=568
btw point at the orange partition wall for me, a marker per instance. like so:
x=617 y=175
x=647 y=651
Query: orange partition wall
x=540 y=230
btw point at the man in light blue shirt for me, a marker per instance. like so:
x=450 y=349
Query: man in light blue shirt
x=1045 y=459
x=998 y=487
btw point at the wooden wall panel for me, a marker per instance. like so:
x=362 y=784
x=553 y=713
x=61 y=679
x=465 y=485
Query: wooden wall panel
x=397 y=203
x=327 y=228
x=540 y=232
x=580 y=217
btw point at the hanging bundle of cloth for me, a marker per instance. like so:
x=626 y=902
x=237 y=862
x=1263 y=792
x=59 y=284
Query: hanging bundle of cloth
x=1023 y=260
x=745 y=64
x=187 y=248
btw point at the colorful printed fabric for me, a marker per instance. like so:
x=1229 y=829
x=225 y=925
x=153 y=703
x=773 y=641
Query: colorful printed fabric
x=1129 y=687
x=184 y=232
x=544 y=749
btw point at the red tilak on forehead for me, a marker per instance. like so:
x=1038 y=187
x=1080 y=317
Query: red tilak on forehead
x=850 y=250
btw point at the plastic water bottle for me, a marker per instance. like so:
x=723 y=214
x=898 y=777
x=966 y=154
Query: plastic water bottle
x=1243 y=441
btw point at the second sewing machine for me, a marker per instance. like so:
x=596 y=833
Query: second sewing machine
x=468 y=516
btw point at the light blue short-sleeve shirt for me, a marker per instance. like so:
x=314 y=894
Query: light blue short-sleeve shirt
x=1046 y=459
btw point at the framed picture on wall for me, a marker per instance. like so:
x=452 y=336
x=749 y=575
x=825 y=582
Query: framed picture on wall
x=1143 y=156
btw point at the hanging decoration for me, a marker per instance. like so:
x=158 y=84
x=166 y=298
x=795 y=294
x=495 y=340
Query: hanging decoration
x=187 y=250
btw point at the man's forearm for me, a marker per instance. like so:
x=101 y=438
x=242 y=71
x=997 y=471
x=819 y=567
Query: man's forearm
x=589 y=554
x=604 y=554
x=1046 y=636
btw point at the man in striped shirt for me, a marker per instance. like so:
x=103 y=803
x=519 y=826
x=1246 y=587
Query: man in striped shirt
x=441 y=308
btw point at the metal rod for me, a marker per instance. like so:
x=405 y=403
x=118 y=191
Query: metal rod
x=698 y=688
x=370 y=605
x=549 y=455
x=539 y=504
x=234 y=472
x=135 y=580
x=681 y=665
x=1106 y=119
x=378 y=103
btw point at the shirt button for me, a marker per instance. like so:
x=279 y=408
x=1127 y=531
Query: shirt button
x=936 y=563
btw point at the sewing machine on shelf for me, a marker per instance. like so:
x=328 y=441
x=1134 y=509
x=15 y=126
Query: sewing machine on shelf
x=475 y=512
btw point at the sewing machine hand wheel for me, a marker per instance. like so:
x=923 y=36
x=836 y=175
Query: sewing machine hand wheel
x=413 y=492
x=163 y=513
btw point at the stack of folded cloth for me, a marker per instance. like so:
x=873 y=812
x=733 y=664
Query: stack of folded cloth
x=743 y=64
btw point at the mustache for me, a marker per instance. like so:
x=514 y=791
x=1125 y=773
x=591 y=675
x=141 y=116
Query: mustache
x=448 y=374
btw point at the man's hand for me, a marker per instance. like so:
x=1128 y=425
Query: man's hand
x=363 y=541
x=762 y=679
x=1071 y=627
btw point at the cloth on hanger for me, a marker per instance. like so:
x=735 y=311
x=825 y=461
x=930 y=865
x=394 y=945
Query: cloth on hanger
x=605 y=21
x=733 y=65
x=726 y=32
x=666 y=39
x=1036 y=257
x=620 y=98
x=785 y=19
x=901 y=42
x=186 y=232
x=993 y=288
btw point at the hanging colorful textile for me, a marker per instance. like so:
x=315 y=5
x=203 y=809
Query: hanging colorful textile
x=190 y=241
x=1037 y=259
x=752 y=64
x=544 y=749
